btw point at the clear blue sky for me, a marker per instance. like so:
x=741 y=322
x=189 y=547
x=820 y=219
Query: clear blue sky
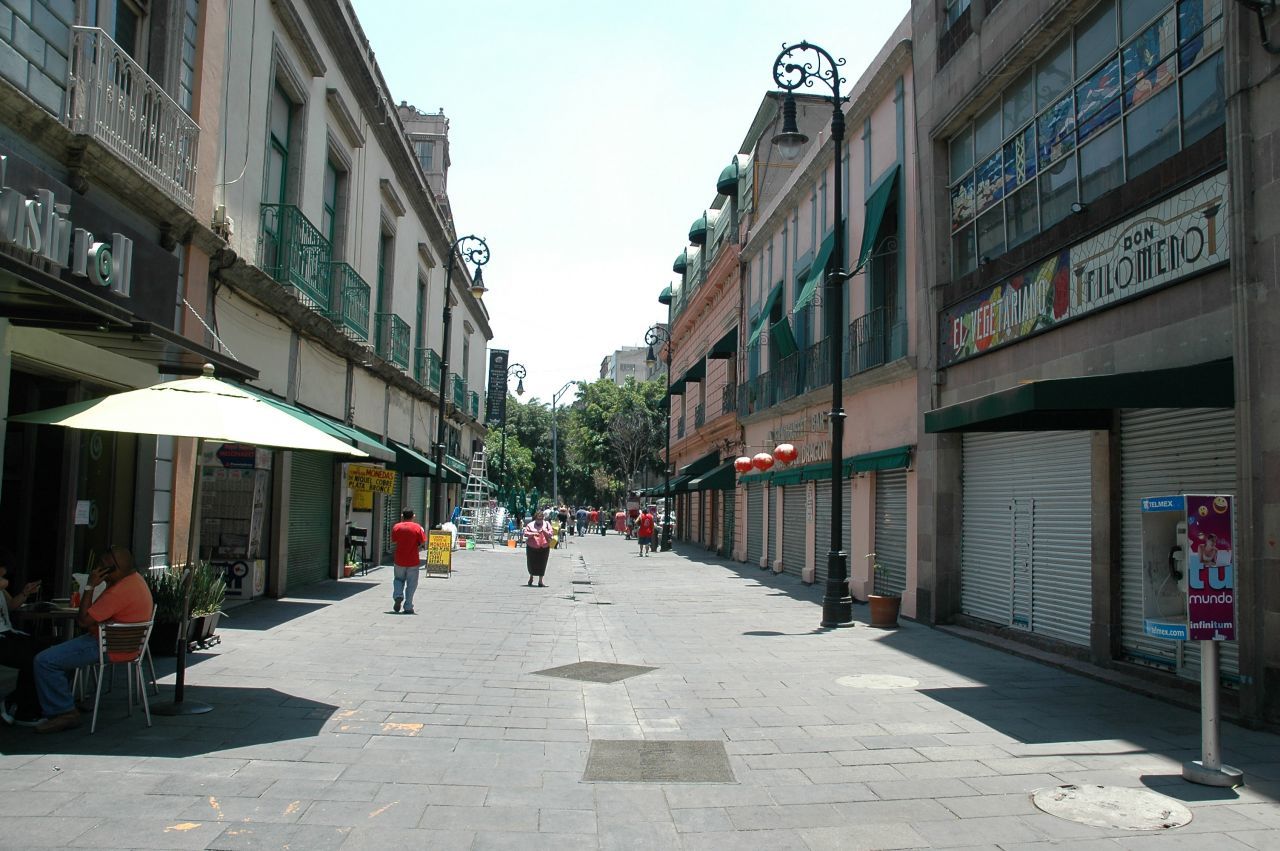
x=587 y=136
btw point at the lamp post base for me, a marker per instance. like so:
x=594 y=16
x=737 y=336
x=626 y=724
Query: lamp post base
x=837 y=605
x=1224 y=775
x=181 y=707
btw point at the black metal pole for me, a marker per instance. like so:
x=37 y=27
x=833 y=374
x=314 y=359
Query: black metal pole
x=792 y=71
x=437 y=495
x=666 y=462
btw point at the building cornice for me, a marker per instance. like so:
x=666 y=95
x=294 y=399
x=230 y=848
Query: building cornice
x=297 y=32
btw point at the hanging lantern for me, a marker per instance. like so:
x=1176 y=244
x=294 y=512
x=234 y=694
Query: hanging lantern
x=786 y=453
x=742 y=464
x=762 y=461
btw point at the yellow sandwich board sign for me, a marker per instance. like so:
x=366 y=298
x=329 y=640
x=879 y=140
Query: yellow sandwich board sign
x=439 y=553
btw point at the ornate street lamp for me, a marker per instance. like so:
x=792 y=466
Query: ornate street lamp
x=805 y=64
x=476 y=250
x=656 y=335
x=555 y=444
x=519 y=372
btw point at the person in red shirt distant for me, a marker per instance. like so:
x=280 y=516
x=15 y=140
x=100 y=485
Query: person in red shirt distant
x=409 y=538
x=644 y=531
x=127 y=599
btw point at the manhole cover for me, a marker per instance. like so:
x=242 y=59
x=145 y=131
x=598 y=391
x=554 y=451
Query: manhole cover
x=1112 y=806
x=877 y=681
x=631 y=761
x=596 y=672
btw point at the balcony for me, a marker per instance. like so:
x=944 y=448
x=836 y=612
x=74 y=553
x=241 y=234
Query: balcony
x=680 y=428
x=699 y=416
x=350 y=309
x=473 y=400
x=873 y=340
x=459 y=390
x=111 y=99
x=393 y=339
x=729 y=398
x=296 y=255
x=426 y=368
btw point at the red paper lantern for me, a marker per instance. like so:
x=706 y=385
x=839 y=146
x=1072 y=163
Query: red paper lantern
x=786 y=453
x=742 y=464
x=762 y=461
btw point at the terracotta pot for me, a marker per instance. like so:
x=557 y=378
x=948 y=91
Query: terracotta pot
x=884 y=610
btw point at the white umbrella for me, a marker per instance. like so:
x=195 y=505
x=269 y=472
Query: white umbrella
x=205 y=408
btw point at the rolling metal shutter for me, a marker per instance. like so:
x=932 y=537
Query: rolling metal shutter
x=846 y=536
x=822 y=530
x=310 y=519
x=391 y=514
x=1025 y=558
x=794 y=524
x=730 y=499
x=891 y=530
x=415 y=490
x=756 y=538
x=1163 y=452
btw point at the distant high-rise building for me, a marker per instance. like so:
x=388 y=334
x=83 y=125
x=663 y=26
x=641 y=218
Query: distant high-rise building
x=628 y=362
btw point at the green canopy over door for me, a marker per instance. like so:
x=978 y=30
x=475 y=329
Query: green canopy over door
x=763 y=318
x=310 y=519
x=876 y=205
x=781 y=338
x=817 y=272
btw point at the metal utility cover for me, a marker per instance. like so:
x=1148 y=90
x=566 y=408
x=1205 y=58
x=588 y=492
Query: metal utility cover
x=596 y=672
x=632 y=761
x=1116 y=807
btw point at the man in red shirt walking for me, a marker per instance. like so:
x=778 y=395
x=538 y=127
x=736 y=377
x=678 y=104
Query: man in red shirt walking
x=644 y=530
x=409 y=538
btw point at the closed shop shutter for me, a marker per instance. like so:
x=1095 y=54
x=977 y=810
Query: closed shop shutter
x=755 y=523
x=391 y=513
x=846 y=536
x=683 y=523
x=822 y=530
x=310 y=519
x=794 y=526
x=415 y=490
x=891 y=530
x=1165 y=452
x=1025 y=547
x=709 y=514
x=729 y=499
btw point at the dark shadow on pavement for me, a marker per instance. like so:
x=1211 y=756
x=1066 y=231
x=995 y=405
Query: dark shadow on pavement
x=1175 y=786
x=240 y=717
x=267 y=614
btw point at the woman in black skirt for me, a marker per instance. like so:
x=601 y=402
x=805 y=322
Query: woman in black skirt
x=537 y=547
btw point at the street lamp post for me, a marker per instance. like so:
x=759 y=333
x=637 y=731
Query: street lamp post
x=656 y=335
x=519 y=372
x=476 y=250
x=804 y=64
x=555 y=445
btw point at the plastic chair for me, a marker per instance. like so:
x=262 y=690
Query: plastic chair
x=130 y=640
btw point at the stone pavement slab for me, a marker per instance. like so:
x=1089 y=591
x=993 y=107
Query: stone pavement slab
x=337 y=724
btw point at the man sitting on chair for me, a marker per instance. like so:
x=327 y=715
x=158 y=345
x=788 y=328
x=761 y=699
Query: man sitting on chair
x=127 y=599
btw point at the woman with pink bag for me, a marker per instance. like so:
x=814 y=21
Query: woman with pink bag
x=537 y=547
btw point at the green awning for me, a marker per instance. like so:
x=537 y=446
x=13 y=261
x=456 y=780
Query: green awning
x=781 y=340
x=883 y=459
x=758 y=476
x=727 y=182
x=678 y=483
x=726 y=346
x=720 y=478
x=455 y=470
x=817 y=272
x=695 y=373
x=1088 y=402
x=876 y=205
x=665 y=296
x=702 y=465
x=787 y=475
x=763 y=318
x=677 y=387
x=681 y=264
x=376 y=449
x=698 y=230
x=411 y=462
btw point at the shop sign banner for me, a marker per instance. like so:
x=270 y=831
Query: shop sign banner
x=495 y=406
x=237 y=455
x=1211 y=587
x=439 y=552
x=1181 y=236
x=361 y=477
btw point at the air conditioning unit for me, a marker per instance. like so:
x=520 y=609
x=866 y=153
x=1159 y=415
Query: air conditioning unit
x=223 y=225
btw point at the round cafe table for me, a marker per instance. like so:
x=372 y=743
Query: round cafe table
x=60 y=620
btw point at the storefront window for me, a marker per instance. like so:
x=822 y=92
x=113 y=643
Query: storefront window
x=1125 y=60
x=991 y=234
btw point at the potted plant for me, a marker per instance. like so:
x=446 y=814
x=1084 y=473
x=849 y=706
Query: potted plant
x=208 y=591
x=167 y=594
x=884 y=604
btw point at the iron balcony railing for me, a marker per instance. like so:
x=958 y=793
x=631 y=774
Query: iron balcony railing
x=432 y=369
x=350 y=308
x=699 y=415
x=393 y=339
x=459 y=390
x=474 y=399
x=729 y=398
x=874 y=340
x=295 y=253
x=113 y=100
x=680 y=427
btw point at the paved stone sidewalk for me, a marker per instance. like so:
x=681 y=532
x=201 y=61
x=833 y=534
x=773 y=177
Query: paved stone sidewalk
x=340 y=725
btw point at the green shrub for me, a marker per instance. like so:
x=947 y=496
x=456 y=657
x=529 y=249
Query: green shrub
x=208 y=591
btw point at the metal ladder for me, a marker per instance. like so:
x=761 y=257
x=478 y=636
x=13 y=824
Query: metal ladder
x=477 y=520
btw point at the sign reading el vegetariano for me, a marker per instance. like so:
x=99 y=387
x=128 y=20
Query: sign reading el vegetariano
x=1181 y=236
x=361 y=477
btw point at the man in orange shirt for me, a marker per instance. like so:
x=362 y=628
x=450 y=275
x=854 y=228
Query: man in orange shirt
x=127 y=599
x=409 y=538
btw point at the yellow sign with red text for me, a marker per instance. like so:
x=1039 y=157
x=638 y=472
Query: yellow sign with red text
x=361 y=477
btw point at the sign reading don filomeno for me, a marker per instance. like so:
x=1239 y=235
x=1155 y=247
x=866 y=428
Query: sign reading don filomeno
x=1181 y=236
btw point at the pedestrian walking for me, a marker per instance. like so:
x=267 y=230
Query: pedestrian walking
x=537 y=547
x=644 y=531
x=409 y=538
x=581 y=516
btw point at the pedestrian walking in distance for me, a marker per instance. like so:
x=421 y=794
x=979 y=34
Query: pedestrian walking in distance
x=409 y=538
x=644 y=531
x=537 y=547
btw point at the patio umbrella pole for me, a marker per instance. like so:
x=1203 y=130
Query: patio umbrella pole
x=180 y=706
